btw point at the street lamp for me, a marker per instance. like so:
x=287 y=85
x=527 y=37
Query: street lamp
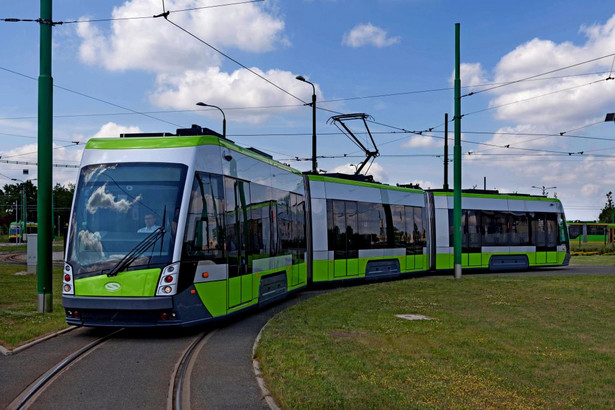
x=544 y=189
x=313 y=104
x=202 y=104
x=610 y=117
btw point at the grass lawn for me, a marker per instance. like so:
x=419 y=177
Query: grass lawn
x=20 y=321
x=496 y=342
x=595 y=260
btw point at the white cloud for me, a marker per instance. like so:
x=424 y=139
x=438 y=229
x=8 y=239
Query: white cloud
x=423 y=141
x=590 y=190
x=187 y=71
x=114 y=130
x=240 y=88
x=155 y=45
x=563 y=101
x=368 y=34
x=470 y=74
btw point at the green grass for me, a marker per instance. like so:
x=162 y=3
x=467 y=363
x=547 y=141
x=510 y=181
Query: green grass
x=592 y=260
x=20 y=321
x=505 y=342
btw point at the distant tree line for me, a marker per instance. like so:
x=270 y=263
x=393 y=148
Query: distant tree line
x=607 y=215
x=11 y=205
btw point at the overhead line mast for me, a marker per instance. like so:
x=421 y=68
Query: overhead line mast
x=45 y=160
x=457 y=162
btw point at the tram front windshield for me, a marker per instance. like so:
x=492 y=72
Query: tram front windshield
x=125 y=215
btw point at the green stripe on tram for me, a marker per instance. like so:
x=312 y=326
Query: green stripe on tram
x=334 y=180
x=178 y=142
x=500 y=196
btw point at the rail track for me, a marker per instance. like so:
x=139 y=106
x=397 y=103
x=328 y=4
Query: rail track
x=28 y=396
x=178 y=396
x=179 y=391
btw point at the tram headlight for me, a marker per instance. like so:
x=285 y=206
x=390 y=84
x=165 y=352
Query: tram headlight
x=167 y=284
x=68 y=286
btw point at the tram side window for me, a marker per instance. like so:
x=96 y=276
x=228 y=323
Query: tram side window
x=563 y=232
x=298 y=224
x=343 y=228
x=519 y=229
x=494 y=228
x=372 y=226
x=419 y=233
x=539 y=230
x=352 y=229
x=236 y=194
x=285 y=230
x=574 y=231
x=596 y=229
x=401 y=234
x=203 y=237
x=259 y=221
x=471 y=231
x=552 y=230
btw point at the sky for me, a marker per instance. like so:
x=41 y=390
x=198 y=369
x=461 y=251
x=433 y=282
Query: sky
x=537 y=79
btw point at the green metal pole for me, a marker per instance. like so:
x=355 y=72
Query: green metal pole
x=457 y=159
x=24 y=210
x=45 y=135
x=445 y=186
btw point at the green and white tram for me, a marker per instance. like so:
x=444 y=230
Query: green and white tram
x=180 y=229
x=366 y=230
x=500 y=231
x=176 y=230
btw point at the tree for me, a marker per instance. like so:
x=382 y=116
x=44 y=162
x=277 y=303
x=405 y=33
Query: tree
x=62 y=201
x=607 y=214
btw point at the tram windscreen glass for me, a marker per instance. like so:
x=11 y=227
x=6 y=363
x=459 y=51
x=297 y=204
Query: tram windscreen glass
x=116 y=207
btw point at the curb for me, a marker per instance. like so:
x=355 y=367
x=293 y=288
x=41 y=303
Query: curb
x=259 y=375
x=7 y=352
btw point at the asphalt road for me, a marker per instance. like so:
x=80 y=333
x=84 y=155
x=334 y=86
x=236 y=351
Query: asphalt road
x=135 y=368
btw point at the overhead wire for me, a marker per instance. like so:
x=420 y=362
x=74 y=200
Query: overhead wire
x=165 y=14
x=93 y=98
x=532 y=98
x=538 y=75
x=103 y=20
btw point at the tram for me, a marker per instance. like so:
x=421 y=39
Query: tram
x=180 y=229
x=594 y=233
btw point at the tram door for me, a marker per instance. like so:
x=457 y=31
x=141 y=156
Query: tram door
x=236 y=215
x=344 y=237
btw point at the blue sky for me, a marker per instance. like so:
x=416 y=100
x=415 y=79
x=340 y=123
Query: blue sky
x=391 y=59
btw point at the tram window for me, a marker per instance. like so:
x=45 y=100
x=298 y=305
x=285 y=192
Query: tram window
x=419 y=233
x=203 y=236
x=285 y=234
x=259 y=221
x=398 y=219
x=519 y=234
x=552 y=230
x=236 y=193
x=561 y=223
x=352 y=229
x=372 y=226
x=412 y=230
x=472 y=236
x=299 y=233
x=343 y=228
x=574 y=231
x=539 y=230
x=595 y=229
x=494 y=228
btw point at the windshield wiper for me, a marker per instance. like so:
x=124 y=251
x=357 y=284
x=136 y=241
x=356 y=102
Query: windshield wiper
x=137 y=251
